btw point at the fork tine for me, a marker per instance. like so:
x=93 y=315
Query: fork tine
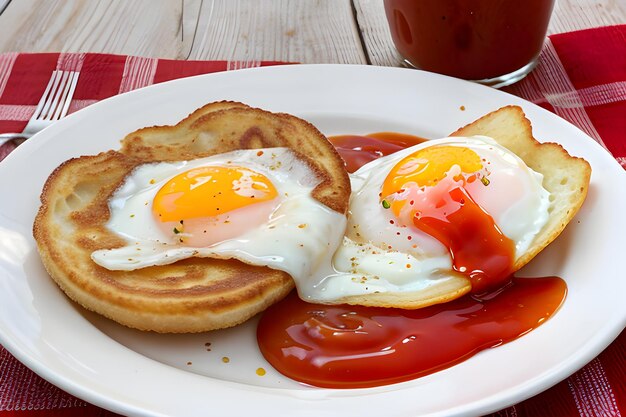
x=62 y=95
x=42 y=100
x=50 y=98
x=57 y=96
x=67 y=97
x=63 y=92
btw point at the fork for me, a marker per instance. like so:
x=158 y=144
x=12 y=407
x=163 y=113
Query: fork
x=52 y=106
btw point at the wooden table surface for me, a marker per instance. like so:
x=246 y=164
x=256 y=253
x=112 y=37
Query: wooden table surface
x=245 y=31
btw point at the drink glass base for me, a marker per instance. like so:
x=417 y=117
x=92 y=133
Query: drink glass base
x=501 y=81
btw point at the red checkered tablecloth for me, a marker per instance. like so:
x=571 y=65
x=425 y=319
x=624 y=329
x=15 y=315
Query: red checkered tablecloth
x=581 y=77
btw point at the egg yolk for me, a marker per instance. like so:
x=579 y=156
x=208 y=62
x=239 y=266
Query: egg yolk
x=429 y=166
x=210 y=191
x=426 y=190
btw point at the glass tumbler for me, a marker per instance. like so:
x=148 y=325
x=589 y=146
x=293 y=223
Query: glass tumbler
x=493 y=42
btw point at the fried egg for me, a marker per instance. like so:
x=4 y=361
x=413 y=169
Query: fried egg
x=251 y=205
x=448 y=207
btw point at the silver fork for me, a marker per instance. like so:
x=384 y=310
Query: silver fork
x=52 y=106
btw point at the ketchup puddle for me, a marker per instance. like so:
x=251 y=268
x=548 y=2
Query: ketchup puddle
x=357 y=150
x=346 y=346
x=343 y=346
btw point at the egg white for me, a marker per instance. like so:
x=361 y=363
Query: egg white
x=379 y=255
x=300 y=235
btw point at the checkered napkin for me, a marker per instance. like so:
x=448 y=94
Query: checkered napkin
x=581 y=77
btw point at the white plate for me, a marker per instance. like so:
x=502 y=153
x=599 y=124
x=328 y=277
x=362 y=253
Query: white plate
x=147 y=374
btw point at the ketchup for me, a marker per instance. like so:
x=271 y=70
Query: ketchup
x=357 y=150
x=356 y=347
x=341 y=346
x=478 y=248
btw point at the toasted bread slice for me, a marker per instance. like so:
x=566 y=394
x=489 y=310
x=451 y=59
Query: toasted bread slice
x=193 y=295
x=565 y=177
x=227 y=126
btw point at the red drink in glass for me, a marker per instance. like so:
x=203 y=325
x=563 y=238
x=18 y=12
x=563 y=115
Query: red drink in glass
x=495 y=42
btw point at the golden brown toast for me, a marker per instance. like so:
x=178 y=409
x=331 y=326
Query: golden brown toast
x=187 y=296
x=226 y=126
x=565 y=177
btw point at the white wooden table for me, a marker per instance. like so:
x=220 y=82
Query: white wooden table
x=247 y=31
